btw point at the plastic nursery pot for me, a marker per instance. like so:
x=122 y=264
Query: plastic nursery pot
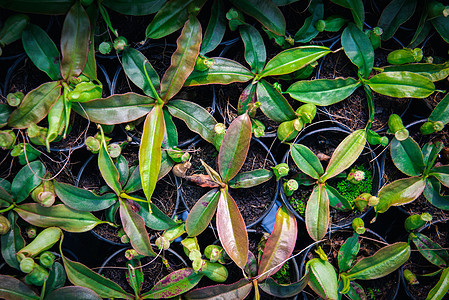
x=385 y=288
x=437 y=231
x=154 y=268
x=254 y=203
x=322 y=142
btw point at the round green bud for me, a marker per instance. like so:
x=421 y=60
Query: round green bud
x=414 y=222
x=14 y=99
x=7 y=139
x=290 y=186
x=93 y=144
x=410 y=277
x=212 y=252
x=37 y=277
x=31 y=232
x=417 y=54
x=194 y=254
x=46 y=259
x=114 y=150
x=120 y=43
x=280 y=170
x=220 y=128
x=320 y=25
x=358 y=225
x=27 y=265
x=5 y=225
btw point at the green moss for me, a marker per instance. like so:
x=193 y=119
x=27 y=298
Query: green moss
x=283 y=275
x=351 y=191
x=299 y=205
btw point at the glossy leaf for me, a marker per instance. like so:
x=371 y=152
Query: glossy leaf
x=407 y=156
x=265 y=12
x=174 y=284
x=348 y=253
x=75 y=37
x=107 y=168
x=250 y=179
x=231 y=229
x=357 y=10
x=150 y=150
x=133 y=7
x=401 y=85
x=271 y=287
x=73 y=293
x=81 y=199
x=399 y=192
x=171 y=133
x=380 y=264
x=434 y=72
x=306 y=160
x=13 y=289
x=12 y=242
x=195 y=116
x=317 y=213
x=441 y=288
x=322 y=278
x=441 y=26
x=5 y=112
x=38 y=6
x=247 y=98
x=56 y=279
x=26 y=180
x=155 y=220
x=442 y=174
x=336 y=200
x=395 y=14
x=308 y=30
x=345 y=154
x=255 y=53
x=123 y=169
x=183 y=59
x=35 y=106
x=432 y=192
x=134 y=227
x=115 y=109
x=233 y=291
x=223 y=71
x=215 y=28
x=202 y=212
x=280 y=245
x=358 y=48
x=81 y=275
x=234 y=147
x=323 y=92
x=441 y=111
x=59 y=216
x=41 y=50
x=431 y=251
x=293 y=59
x=134 y=63
x=273 y=103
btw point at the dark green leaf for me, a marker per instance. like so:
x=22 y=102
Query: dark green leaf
x=255 y=53
x=393 y=15
x=442 y=27
x=336 y=200
x=237 y=290
x=306 y=160
x=171 y=133
x=431 y=251
x=441 y=111
x=133 y=7
x=357 y=10
x=73 y=293
x=434 y=72
x=441 y=288
x=358 y=48
x=348 y=253
x=250 y=179
x=308 y=31
x=407 y=156
x=51 y=7
x=202 y=212
x=123 y=169
x=270 y=286
x=26 y=180
x=273 y=103
x=215 y=28
x=14 y=289
x=433 y=194
x=12 y=242
x=155 y=220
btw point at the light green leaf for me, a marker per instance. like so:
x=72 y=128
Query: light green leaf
x=317 y=213
x=358 y=48
x=273 y=103
x=399 y=192
x=306 y=160
x=202 y=212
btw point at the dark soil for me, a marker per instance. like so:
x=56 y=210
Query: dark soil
x=252 y=202
x=419 y=265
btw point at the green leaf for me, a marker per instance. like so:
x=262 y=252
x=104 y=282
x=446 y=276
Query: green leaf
x=174 y=284
x=270 y=286
x=247 y=98
x=223 y=71
x=395 y=14
x=431 y=251
x=322 y=278
x=134 y=63
x=358 y=48
x=441 y=111
x=345 y=154
x=183 y=59
x=150 y=150
x=35 y=106
x=442 y=27
x=434 y=72
x=5 y=112
x=195 y=116
x=237 y=290
x=336 y=200
x=308 y=31
x=171 y=133
x=357 y=10
x=348 y=253
x=399 y=192
x=107 y=168
x=441 y=173
x=14 y=289
x=430 y=153
x=432 y=192
x=123 y=169
x=115 y=109
x=306 y=160
x=155 y=220
x=231 y=229
x=81 y=199
x=134 y=227
x=323 y=92
x=27 y=179
x=407 y=156
x=268 y=14
x=12 y=242
x=80 y=275
x=401 y=85
x=280 y=245
x=202 y=212
x=38 y=6
x=293 y=59
x=380 y=264
x=216 y=28
x=41 y=50
x=75 y=38
x=273 y=103
x=234 y=147
x=134 y=184
x=73 y=293
x=59 y=216
x=250 y=179
x=56 y=279
x=133 y=7
x=255 y=53
x=441 y=288
x=317 y=213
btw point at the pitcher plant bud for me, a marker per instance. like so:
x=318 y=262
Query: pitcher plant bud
x=214 y=253
x=358 y=225
x=280 y=170
x=355 y=176
x=431 y=127
x=414 y=222
x=7 y=139
x=46 y=259
x=410 y=277
x=27 y=265
x=31 y=231
x=396 y=127
x=290 y=187
x=37 y=277
x=14 y=99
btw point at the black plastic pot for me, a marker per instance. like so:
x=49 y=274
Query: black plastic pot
x=333 y=135
x=273 y=200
